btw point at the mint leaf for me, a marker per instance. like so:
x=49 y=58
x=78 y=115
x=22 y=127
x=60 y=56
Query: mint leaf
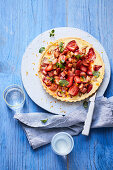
x=52 y=79
x=83 y=78
x=62 y=61
x=85 y=104
x=63 y=82
x=57 y=64
x=61 y=48
x=41 y=49
x=52 y=33
x=44 y=121
x=78 y=56
x=96 y=73
x=61 y=66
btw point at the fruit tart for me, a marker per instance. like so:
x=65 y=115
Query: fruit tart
x=70 y=69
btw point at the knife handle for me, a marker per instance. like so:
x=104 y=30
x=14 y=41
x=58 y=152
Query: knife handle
x=88 y=119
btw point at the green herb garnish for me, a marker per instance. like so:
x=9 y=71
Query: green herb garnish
x=96 y=73
x=41 y=49
x=61 y=48
x=61 y=66
x=44 y=121
x=63 y=82
x=85 y=104
x=52 y=33
x=52 y=79
x=78 y=56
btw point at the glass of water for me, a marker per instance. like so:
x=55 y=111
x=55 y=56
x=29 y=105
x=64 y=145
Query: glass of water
x=14 y=97
x=62 y=143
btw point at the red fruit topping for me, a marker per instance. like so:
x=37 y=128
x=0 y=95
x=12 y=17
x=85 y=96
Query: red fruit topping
x=82 y=74
x=83 y=90
x=91 y=55
x=47 y=81
x=77 y=79
x=73 y=90
x=85 y=63
x=78 y=64
x=49 y=68
x=51 y=73
x=59 y=94
x=70 y=80
x=90 y=86
x=77 y=73
x=65 y=51
x=62 y=58
x=57 y=80
x=58 y=70
x=44 y=72
x=56 y=54
x=70 y=73
x=53 y=87
x=83 y=68
x=72 y=46
x=89 y=72
x=97 y=67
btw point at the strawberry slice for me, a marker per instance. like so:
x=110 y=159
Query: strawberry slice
x=77 y=73
x=89 y=72
x=53 y=87
x=47 y=81
x=65 y=51
x=70 y=80
x=73 y=90
x=83 y=68
x=62 y=58
x=85 y=63
x=82 y=73
x=91 y=55
x=49 y=68
x=72 y=46
x=78 y=64
x=77 y=79
x=70 y=73
x=90 y=86
x=97 y=67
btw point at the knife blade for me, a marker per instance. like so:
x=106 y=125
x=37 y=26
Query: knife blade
x=89 y=117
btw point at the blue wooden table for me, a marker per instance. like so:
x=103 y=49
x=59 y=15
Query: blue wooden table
x=20 y=22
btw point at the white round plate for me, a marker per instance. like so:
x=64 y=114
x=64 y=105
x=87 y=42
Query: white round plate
x=29 y=69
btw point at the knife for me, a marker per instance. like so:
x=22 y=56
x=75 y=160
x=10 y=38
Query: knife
x=89 y=117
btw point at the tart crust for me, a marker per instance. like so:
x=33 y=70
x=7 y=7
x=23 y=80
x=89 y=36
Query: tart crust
x=98 y=61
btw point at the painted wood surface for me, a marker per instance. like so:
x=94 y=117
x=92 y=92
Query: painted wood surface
x=20 y=22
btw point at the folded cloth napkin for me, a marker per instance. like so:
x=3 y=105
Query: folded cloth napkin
x=40 y=133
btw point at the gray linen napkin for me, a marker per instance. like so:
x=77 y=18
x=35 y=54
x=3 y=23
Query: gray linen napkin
x=39 y=133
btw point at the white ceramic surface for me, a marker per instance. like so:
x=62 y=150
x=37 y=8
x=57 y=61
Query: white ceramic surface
x=29 y=69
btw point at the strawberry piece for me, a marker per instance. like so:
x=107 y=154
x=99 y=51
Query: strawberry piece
x=57 y=79
x=82 y=74
x=96 y=67
x=83 y=90
x=53 y=87
x=78 y=64
x=47 y=81
x=83 y=68
x=89 y=72
x=49 y=68
x=44 y=72
x=62 y=58
x=77 y=73
x=91 y=55
x=73 y=90
x=70 y=80
x=77 y=79
x=70 y=73
x=90 y=86
x=58 y=70
x=51 y=73
x=65 y=51
x=85 y=63
x=72 y=46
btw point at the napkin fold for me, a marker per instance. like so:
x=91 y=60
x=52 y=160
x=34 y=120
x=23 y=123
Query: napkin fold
x=39 y=133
